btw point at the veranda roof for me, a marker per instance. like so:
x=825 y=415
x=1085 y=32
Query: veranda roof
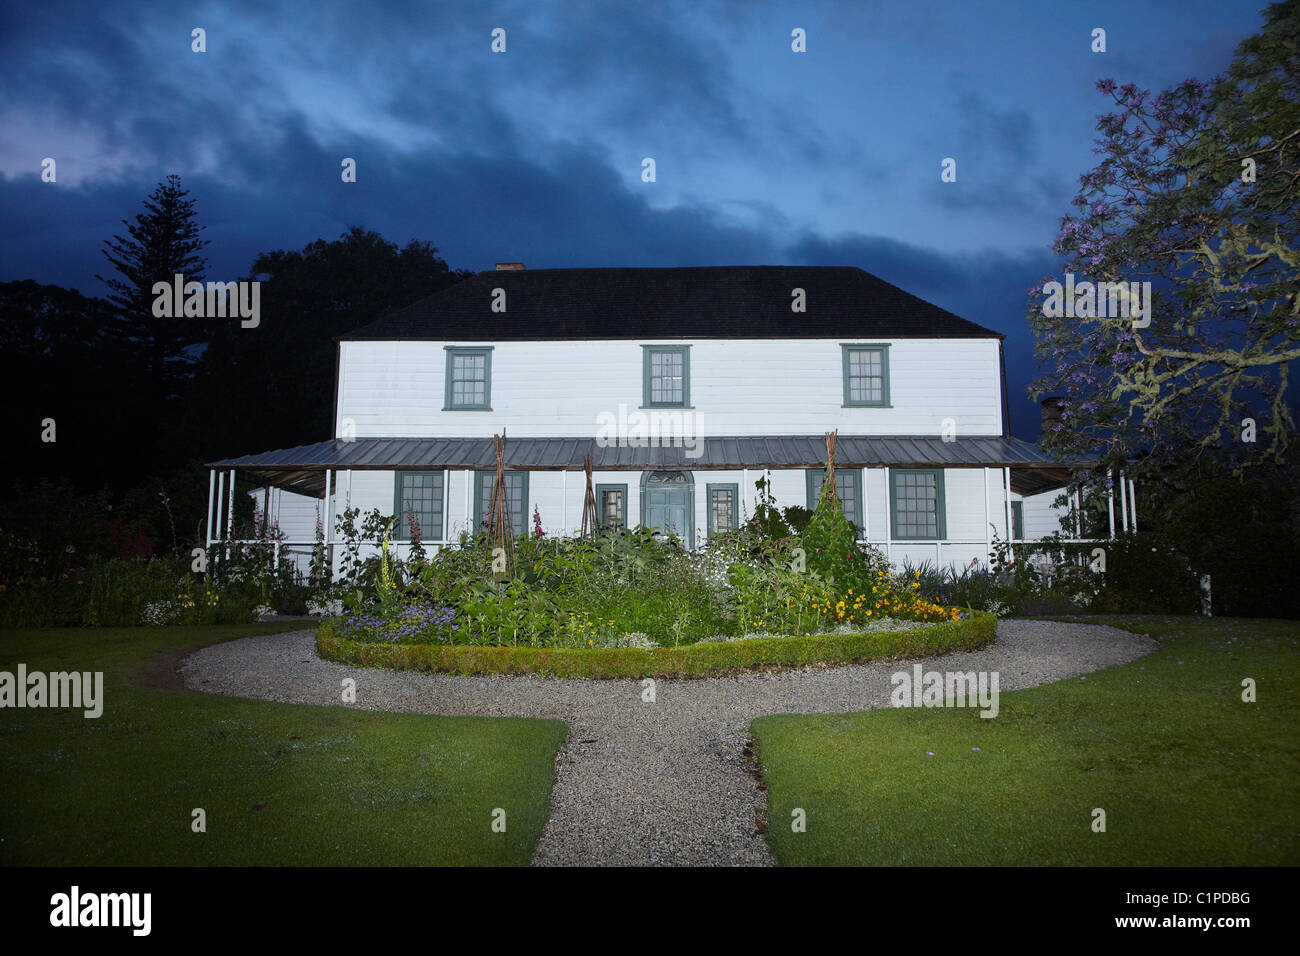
x=302 y=469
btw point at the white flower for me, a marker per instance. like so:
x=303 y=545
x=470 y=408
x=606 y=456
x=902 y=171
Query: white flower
x=635 y=639
x=324 y=607
x=160 y=613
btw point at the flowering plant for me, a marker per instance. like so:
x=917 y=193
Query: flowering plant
x=413 y=624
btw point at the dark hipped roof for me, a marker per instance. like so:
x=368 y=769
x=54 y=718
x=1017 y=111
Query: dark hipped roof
x=302 y=469
x=697 y=303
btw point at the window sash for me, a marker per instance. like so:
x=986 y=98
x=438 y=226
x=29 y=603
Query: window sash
x=419 y=493
x=917 y=504
x=611 y=506
x=516 y=493
x=866 y=375
x=667 y=376
x=724 y=507
x=469 y=379
x=848 y=488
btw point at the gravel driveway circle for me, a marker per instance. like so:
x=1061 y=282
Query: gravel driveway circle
x=641 y=783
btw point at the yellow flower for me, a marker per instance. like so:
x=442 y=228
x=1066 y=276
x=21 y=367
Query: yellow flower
x=590 y=642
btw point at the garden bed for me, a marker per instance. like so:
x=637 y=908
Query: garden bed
x=687 y=660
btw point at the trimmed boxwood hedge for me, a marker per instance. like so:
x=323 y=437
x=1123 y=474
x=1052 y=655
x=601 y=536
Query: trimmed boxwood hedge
x=689 y=660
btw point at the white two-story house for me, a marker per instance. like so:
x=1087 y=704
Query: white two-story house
x=686 y=385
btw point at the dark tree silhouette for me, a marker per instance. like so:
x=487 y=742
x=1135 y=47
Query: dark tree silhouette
x=273 y=386
x=163 y=241
x=59 y=357
x=136 y=414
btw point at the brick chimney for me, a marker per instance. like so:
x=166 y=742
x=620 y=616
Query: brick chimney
x=1051 y=409
x=510 y=267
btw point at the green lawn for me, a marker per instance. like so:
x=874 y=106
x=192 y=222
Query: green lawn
x=1187 y=773
x=281 y=784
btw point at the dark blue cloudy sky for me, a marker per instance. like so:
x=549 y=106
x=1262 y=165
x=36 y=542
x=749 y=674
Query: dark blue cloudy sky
x=764 y=156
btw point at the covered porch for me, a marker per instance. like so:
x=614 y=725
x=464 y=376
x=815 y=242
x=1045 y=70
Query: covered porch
x=991 y=481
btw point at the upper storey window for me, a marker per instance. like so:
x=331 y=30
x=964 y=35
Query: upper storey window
x=666 y=376
x=866 y=375
x=469 y=379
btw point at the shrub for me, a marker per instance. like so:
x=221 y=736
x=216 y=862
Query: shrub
x=830 y=540
x=125 y=592
x=1143 y=574
x=118 y=589
x=509 y=612
x=687 y=660
x=767 y=522
x=41 y=603
x=1146 y=575
x=797 y=517
x=627 y=587
x=291 y=598
x=1245 y=534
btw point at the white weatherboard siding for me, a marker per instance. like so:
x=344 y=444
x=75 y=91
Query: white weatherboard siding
x=295 y=516
x=1042 y=518
x=745 y=387
x=737 y=387
x=789 y=487
x=558 y=498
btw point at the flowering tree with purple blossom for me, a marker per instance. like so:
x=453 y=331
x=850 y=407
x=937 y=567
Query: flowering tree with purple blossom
x=1196 y=193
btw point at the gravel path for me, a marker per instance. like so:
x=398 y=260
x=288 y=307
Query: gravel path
x=641 y=783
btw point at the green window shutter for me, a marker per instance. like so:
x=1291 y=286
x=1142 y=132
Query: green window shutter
x=917 y=510
x=866 y=375
x=418 y=493
x=666 y=376
x=723 y=507
x=611 y=506
x=469 y=379
x=1017 y=520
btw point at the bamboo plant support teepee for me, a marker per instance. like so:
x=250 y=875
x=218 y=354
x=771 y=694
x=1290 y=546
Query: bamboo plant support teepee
x=501 y=538
x=589 y=519
x=829 y=483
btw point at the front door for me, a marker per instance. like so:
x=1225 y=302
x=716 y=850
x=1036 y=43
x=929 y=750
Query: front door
x=668 y=504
